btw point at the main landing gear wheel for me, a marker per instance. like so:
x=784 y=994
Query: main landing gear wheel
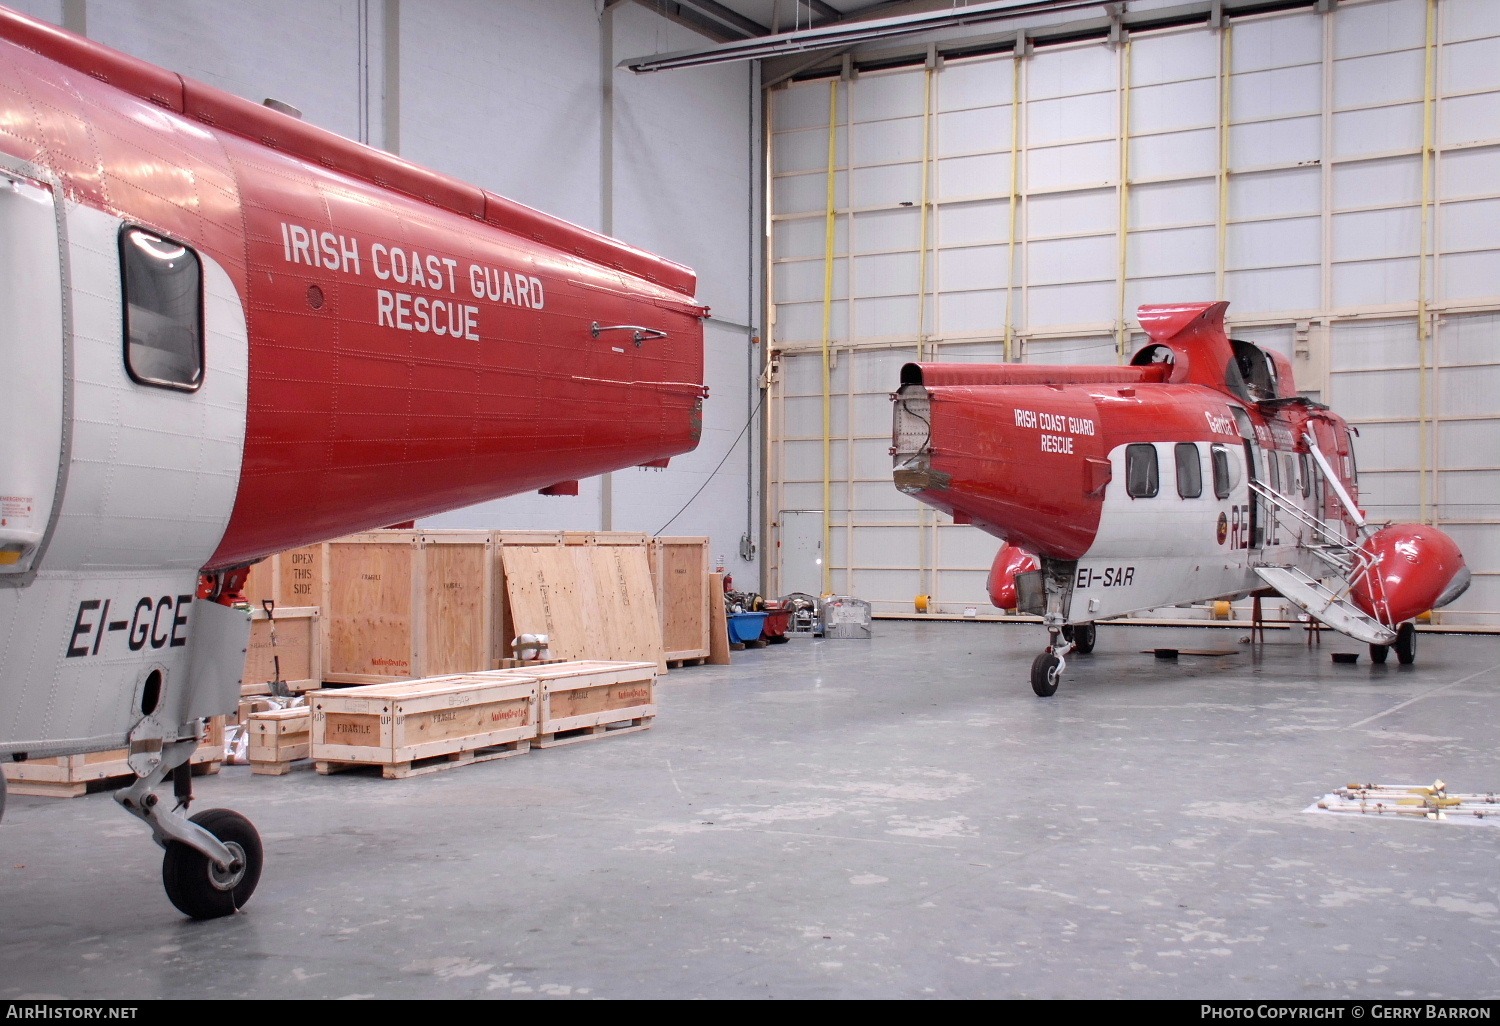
x=1046 y=672
x=198 y=887
x=1082 y=635
x=1406 y=644
x=1379 y=652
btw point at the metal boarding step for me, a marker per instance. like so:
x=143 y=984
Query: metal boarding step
x=1326 y=606
x=1338 y=552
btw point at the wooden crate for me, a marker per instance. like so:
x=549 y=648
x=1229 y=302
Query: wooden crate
x=402 y=605
x=294 y=578
x=592 y=598
x=579 y=700
x=279 y=737
x=288 y=641
x=406 y=605
x=679 y=569
x=424 y=725
x=68 y=776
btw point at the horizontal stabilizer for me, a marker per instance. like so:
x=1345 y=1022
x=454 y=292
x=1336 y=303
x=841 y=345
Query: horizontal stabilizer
x=1323 y=605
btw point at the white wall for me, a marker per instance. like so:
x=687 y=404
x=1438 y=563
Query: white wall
x=508 y=94
x=1313 y=233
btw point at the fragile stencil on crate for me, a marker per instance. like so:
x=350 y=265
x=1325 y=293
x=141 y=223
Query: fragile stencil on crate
x=845 y=617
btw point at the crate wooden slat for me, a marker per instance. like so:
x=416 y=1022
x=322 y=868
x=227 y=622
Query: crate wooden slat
x=579 y=700
x=461 y=717
x=593 y=601
x=279 y=737
x=68 y=776
x=291 y=639
x=680 y=569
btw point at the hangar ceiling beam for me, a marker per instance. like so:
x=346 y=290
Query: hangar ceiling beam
x=741 y=25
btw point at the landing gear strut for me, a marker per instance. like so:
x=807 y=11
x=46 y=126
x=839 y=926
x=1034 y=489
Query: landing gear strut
x=213 y=860
x=1049 y=592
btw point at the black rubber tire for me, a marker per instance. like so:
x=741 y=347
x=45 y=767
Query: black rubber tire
x=1044 y=675
x=1084 y=636
x=1379 y=652
x=188 y=875
x=1406 y=644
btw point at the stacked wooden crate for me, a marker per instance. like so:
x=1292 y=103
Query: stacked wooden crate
x=286 y=648
x=422 y=726
x=679 y=571
x=402 y=605
x=587 y=698
x=278 y=738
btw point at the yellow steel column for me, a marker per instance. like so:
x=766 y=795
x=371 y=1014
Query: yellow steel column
x=1015 y=193
x=926 y=204
x=924 y=520
x=1226 y=54
x=1425 y=471
x=1122 y=337
x=828 y=244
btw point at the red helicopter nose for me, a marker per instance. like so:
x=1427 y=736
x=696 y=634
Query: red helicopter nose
x=1417 y=568
x=1009 y=561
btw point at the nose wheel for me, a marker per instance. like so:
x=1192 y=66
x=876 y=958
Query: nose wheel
x=1046 y=673
x=213 y=860
x=1405 y=646
x=200 y=888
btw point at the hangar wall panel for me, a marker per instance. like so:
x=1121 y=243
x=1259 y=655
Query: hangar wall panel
x=978 y=210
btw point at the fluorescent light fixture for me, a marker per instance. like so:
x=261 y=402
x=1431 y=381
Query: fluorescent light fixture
x=846 y=34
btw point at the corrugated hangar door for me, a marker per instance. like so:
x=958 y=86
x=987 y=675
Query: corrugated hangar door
x=1336 y=177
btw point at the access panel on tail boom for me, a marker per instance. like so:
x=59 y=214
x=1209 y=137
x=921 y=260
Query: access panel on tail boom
x=1195 y=473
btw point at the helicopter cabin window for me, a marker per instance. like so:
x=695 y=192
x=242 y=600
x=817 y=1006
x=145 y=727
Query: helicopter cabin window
x=1306 y=475
x=163 y=292
x=1189 y=470
x=1142 y=479
x=1224 y=481
x=1273 y=467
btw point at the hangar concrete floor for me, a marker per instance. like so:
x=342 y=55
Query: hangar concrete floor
x=893 y=818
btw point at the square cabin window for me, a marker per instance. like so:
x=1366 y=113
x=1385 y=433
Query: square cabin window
x=163 y=292
x=1189 y=470
x=1224 y=481
x=1142 y=479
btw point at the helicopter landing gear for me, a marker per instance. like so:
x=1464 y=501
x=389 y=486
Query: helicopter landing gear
x=1047 y=668
x=1083 y=636
x=1406 y=644
x=213 y=861
x=1048 y=592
